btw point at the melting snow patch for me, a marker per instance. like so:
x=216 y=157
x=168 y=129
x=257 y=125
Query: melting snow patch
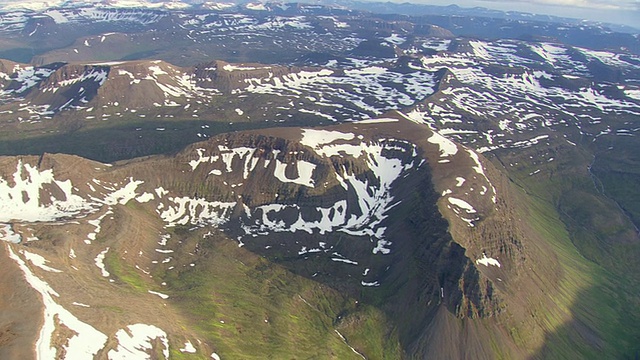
x=86 y=341
x=633 y=94
x=313 y=138
x=164 y=239
x=377 y=121
x=136 y=341
x=480 y=49
x=96 y=223
x=305 y=172
x=196 y=212
x=99 y=260
x=164 y=296
x=447 y=147
x=57 y=16
x=395 y=39
x=305 y=251
x=146 y=197
x=486 y=261
x=161 y=192
x=22 y=201
x=351 y=347
x=7 y=234
x=188 y=348
x=38 y=261
x=345 y=261
x=124 y=194
x=480 y=170
x=229 y=67
x=462 y=204
x=373 y=201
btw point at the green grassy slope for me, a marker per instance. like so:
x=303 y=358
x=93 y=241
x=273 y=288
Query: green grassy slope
x=597 y=247
x=250 y=308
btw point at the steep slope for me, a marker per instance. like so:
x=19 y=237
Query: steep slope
x=379 y=238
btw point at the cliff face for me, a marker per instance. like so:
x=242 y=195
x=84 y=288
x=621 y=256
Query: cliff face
x=229 y=77
x=354 y=193
x=69 y=86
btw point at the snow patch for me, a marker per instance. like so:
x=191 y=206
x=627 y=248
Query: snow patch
x=486 y=261
x=38 y=261
x=145 y=197
x=84 y=344
x=99 y=261
x=188 y=348
x=315 y=138
x=164 y=296
x=462 y=204
x=136 y=341
x=447 y=147
x=124 y=194
x=7 y=234
x=305 y=172
x=22 y=201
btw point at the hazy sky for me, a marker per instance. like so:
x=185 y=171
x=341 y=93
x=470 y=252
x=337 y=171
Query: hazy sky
x=615 y=11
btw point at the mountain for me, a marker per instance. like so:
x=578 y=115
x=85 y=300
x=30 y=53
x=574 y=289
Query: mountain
x=378 y=230
x=96 y=33
x=306 y=181
x=403 y=232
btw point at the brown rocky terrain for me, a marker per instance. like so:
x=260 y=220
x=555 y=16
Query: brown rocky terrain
x=446 y=267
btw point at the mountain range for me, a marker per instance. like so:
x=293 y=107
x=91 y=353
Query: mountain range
x=309 y=181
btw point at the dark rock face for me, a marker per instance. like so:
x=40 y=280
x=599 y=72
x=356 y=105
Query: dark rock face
x=71 y=86
x=429 y=263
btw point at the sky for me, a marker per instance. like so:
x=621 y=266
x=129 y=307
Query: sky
x=625 y=12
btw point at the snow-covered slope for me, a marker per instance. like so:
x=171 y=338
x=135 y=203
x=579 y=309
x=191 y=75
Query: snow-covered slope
x=518 y=95
x=94 y=90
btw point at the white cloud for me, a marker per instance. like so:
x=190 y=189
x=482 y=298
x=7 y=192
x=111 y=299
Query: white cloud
x=587 y=4
x=620 y=12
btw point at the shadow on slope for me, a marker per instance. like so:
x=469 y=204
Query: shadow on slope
x=604 y=325
x=121 y=142
x=598 y=291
